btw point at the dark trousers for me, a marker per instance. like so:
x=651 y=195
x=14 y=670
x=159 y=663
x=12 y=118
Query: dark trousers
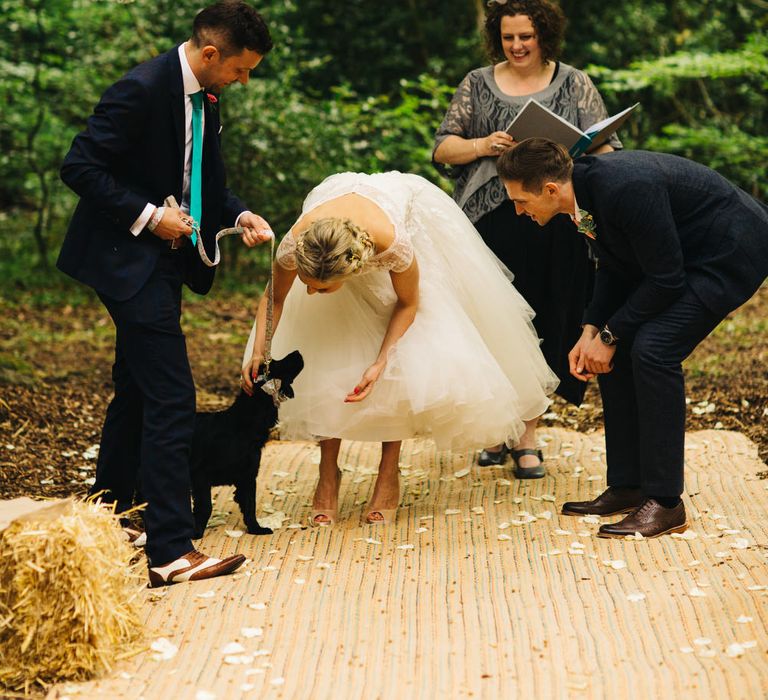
x=644 y=399
x=148 y=428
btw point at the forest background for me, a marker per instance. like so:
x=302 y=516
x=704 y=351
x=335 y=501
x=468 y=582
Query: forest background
x=349 y=86
x=358 y=85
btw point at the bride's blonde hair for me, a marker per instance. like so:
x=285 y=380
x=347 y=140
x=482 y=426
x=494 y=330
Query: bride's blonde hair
x=332 y=248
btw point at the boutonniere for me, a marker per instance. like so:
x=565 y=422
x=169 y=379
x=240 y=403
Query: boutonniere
x=212 y=100
x=587 y=224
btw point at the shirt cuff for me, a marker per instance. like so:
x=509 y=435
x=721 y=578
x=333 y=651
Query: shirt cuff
x=140 y=223
x=237 y=220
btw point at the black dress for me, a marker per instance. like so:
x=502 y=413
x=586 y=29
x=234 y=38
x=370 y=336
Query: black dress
x=554 y=274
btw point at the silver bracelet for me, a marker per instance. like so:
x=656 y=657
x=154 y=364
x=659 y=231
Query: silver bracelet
x=154 y=220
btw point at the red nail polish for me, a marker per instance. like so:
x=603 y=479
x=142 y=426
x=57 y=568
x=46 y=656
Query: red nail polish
x=357 y=389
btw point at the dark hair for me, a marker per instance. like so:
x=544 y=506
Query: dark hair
x=533 y=162
x=547 y=18
x=231 y=26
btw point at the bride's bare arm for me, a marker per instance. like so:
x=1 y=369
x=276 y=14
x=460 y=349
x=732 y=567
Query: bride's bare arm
x=282 y=280
x=406 y=286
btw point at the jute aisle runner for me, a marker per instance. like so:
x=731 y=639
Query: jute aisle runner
x=481 y=589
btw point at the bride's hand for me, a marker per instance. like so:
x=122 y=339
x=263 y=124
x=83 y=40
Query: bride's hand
x=250 y=370
x=366 y=383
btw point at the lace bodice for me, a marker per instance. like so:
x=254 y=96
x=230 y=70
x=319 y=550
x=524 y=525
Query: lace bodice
x=391 y=192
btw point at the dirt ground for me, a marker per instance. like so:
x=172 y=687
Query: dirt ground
x=55 y=383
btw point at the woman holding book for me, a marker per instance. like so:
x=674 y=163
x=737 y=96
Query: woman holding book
x=549 y=263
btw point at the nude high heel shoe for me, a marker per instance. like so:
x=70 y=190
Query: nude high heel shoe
x=389 y=515
x=331 y=514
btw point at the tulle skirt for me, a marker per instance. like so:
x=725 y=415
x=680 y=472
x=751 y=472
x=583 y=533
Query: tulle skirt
x=468 y=371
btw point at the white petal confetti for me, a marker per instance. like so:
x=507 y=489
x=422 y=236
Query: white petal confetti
x=251 y=632
x=687 y=535
x=504 y=537
x=591 y=519
x=405 y=546
x=544 y=515
x=233 y=648
x=268 y=568
x=503 y=526
x=277 y=681
x=461 y=473
x=478 y=510
x=257 y=606
x=751 y=644
x=548 y=497
x=734 y=650
x=743 y=619
x=370 y=540
x=618 y=564
x=422 y=530
x=707 y=653
x=696 y=593
x=165 y=650
x=204 y=695
x=234 y=533
x=687 y=650
x=323 y=565
x=503 y=482
x=740 y=543
x=207 y=594
x=635 y=597
x=299 y=581
x=452 y=511
x=238 y=659
x=702 y=641
x=303 y=557
x=563 y=532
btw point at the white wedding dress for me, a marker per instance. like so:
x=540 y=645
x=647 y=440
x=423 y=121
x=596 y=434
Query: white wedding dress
x=468 y=371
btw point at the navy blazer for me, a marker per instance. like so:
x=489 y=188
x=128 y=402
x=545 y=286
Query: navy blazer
x=664 y=223
x=131 y=153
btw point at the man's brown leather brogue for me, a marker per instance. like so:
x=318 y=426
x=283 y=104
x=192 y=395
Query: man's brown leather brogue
x=651 y=520
x=612 y=501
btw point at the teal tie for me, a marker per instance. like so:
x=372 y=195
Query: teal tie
x=195 y=196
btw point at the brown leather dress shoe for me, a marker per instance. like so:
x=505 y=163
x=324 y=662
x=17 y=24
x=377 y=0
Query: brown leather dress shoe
x=612 y=501
x=192 y=566
x=650 y=520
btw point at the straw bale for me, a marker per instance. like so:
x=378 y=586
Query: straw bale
x=69 y=604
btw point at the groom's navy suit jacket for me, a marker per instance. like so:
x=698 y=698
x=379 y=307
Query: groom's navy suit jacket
x=131 y=153
x=664 y=224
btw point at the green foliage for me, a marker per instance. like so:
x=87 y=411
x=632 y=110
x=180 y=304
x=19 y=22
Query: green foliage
x=357 y=86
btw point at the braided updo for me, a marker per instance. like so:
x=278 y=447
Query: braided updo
x=332 y=248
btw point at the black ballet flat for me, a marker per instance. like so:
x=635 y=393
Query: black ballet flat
x=536 y=472
x=489 y=458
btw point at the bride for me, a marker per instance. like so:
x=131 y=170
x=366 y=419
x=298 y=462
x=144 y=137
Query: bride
x=408 y=325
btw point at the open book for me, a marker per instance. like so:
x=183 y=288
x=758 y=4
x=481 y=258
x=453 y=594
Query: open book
x=534 y=119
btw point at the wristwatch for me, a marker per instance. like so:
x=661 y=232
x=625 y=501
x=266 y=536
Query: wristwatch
x=606 y=337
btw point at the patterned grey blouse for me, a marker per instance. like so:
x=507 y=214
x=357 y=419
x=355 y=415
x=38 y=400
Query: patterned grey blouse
x=479 y=108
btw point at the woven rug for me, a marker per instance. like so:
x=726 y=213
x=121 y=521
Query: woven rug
x=481 y=589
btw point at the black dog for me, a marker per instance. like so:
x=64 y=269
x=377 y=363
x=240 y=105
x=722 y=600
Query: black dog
x=226 y=446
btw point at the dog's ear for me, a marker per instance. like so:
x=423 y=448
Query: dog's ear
x=287 y=368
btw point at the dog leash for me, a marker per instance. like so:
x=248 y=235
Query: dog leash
x=170 y=201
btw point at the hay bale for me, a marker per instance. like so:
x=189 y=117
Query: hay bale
x=68 y=595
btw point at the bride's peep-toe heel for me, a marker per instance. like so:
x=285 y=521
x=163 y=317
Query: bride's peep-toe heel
x=388 y=515
x=332 y=514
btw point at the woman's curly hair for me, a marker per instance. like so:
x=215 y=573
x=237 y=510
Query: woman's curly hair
x=547 y=18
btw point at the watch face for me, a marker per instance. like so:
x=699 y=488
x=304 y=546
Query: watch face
x=606 y=337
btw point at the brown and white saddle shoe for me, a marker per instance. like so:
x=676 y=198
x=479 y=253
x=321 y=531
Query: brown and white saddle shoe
x=193 y=566
x=133 y=533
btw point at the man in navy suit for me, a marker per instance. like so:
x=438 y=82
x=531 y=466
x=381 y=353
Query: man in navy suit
x=678 y=248
x=136 y=150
